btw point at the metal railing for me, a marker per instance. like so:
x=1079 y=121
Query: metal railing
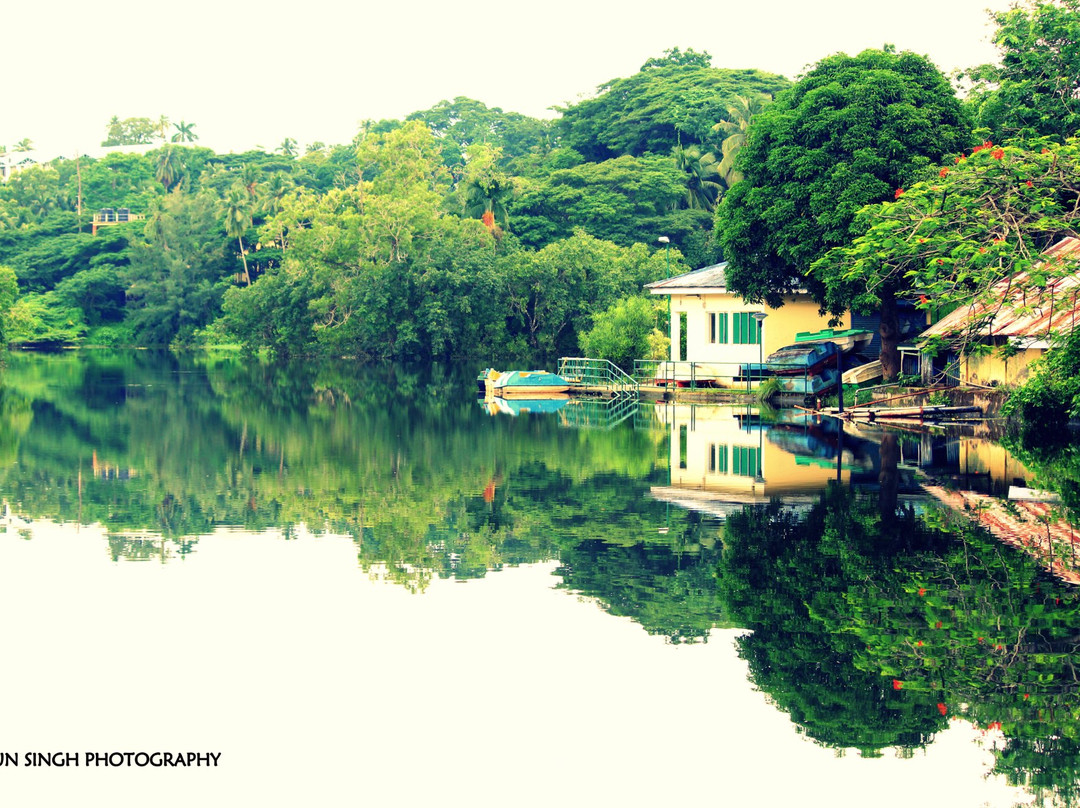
x=597 y=373
x=599 y=414
x=731 y=375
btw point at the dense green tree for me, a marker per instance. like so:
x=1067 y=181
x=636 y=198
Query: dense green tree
x=1035 y=89
x=130 y=132
x=177 y=270
x=463 y=122
x=667 y=104
x=851 y=132
x=626 y=331
x=552 y=294
x=625 y=200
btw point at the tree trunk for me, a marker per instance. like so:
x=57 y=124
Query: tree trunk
x=890 y=336
x=247 y=277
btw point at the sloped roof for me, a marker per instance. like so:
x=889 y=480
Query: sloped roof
x=1020 y=314
x=711 y=277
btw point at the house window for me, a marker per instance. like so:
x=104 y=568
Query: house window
x=745 y=461
x=745 y=329
x=718 y=458
x=718 y=327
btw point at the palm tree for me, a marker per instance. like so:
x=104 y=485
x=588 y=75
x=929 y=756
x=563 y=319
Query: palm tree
x=702 y=185
x=185 y=133
x=163 y=128
x=277 y=189
x=24 y=145
x=741 y=114
x=169 y=166
x=287 y=147
x=238 y=220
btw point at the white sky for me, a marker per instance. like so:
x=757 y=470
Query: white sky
x=252 y=73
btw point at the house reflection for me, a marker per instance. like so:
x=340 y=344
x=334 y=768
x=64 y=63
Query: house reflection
x=731 y=455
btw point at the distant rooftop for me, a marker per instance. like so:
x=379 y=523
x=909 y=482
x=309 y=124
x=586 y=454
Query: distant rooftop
x=711 y=277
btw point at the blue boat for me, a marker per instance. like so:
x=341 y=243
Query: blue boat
x=810 y=384
x=529 y=384
x=804 y=358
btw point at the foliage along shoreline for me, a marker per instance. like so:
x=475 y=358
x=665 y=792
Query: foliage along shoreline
x=466 y=231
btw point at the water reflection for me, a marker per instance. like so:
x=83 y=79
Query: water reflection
x=873 y=617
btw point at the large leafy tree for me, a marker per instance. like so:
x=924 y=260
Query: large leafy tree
x=1035 y=89
x=850 y=133
x=669 y=102
x=625 y=200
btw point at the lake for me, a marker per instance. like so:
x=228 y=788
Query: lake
x=353 y=585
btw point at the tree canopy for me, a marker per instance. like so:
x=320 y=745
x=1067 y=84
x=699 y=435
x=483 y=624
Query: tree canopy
x=1035 y=89
x=849 y=133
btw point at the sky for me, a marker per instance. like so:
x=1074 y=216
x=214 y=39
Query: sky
x=249 y=74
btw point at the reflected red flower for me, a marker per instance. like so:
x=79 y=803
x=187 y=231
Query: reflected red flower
x=941 y=708
x=937 y=624
x=897 y=684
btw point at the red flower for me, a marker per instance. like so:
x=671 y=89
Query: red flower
x=897 y=684
x=1029 y=184
x=982 y=249
x=919 y=643
x=921 y=590
x=943 y=173
x=997 y=154
x=994 y=725
x=980 y=639
x=1027 y=695
x=941 y=708
x=1045 y=151
x=899 y=193
x=960 y=159
x=940 y=261
x=937 y=624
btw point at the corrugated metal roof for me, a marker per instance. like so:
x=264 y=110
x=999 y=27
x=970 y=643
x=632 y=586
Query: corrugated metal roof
x=711 y=277
x=1030 y=313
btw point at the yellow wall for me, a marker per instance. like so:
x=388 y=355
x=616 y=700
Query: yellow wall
x=993 y=368
x=780 y=327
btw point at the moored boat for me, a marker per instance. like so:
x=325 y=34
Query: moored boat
x=529 y=384
x=847 y=340
x=802 y=358
x=810 y=384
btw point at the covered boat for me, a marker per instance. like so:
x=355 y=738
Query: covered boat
x=802 y=358
x=529 y=384
x=847 y=340
x=810 y=384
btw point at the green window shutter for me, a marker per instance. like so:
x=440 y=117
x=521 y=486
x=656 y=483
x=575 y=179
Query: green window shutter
x=721 y=458
x=722 y=336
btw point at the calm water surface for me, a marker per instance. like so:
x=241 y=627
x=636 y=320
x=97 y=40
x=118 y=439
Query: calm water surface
x=361 y=586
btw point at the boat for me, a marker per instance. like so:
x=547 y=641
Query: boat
x=861 y=374
x=810 y=384
x=847 y=340
x=529 y=384
x=802 y=358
